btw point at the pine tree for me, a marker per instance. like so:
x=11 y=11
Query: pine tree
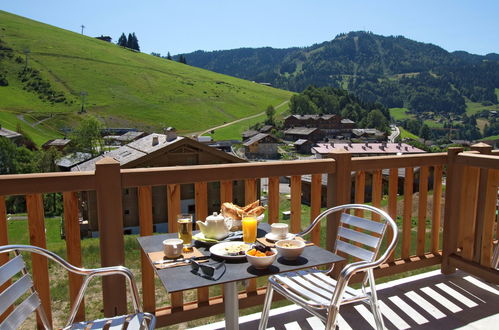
x=129 y=43
x=168 y=56
x=122 y=41
x=135 y=43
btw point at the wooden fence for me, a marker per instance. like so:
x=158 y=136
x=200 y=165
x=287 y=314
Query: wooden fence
x=420 y=235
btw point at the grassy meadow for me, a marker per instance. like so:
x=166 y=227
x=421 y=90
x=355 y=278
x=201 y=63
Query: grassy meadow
x=124 y=88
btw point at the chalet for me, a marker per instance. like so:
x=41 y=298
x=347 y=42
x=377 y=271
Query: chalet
x=59 y=144
x=303 y=146
x=120 y=140
x=365 y=149
x=14 y=137
x=328 y=124
x=104 y=38
x=261 y=146
x=159 y=150
x=369 y=134
x=303 y=133
x=66 y=163
x=249 y=134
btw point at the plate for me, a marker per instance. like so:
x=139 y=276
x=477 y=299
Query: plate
x=220 y=250
x=200 y=237
x=273 y=238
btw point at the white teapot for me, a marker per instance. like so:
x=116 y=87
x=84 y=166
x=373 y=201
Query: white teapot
x=214 y=227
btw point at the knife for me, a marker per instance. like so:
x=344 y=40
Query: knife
x=160 y=262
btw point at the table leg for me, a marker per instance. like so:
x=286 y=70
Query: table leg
x=231 y=305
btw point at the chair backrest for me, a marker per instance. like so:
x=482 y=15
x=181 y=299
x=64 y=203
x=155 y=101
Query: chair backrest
x=360 y=237
x=16 y=293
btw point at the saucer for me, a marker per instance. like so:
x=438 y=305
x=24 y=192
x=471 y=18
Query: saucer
x=274 y=238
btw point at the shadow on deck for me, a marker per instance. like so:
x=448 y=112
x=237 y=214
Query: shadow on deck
x=426 y=301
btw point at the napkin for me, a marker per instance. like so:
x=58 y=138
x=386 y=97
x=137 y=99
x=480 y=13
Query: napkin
x=160 y=255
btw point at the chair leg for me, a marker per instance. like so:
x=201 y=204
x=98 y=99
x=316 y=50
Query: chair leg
x=266 y=307
x=373 y=300
x=332 y=318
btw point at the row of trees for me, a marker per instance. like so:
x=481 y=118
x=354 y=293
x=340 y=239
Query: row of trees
x=131 y=42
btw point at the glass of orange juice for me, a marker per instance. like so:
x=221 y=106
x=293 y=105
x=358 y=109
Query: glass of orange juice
x=250 y=225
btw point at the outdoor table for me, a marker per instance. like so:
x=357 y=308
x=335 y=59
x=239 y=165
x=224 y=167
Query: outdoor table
x=181 y=278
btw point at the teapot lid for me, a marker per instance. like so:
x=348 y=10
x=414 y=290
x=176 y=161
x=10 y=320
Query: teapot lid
x=215 y=216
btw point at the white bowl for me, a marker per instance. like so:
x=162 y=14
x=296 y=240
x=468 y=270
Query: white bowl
x=262 y=262
x=290 y=249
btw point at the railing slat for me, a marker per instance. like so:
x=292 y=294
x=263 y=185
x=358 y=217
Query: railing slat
x=225 y=191
x=376 y=192
x=315 y=205
x=273 y=199
x=295 y=204
x=73 y=247
x=36 y=226
x=392 y=203
x=406 y=220
x=173 y=202
x=4 y=240
x=490 y=218
x=201 y=200
x=437 y=209
x=146 y=229
x=422 y=208
x=468 y=208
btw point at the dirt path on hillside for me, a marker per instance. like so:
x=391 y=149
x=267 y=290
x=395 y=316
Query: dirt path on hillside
x=235 y=121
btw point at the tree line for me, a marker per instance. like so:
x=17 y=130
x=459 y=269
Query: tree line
x=131 y=42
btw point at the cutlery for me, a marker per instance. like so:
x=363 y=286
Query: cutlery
x=160 y=262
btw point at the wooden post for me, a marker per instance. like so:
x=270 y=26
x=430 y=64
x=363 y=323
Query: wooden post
x=451 y=216
x=339 y=186
x=112 y=244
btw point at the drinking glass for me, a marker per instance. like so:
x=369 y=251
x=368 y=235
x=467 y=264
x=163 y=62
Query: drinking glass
x=250 y=224
x=184 y=221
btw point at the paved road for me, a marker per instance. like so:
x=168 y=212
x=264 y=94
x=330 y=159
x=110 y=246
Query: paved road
x=395 y=133
x=236 y=121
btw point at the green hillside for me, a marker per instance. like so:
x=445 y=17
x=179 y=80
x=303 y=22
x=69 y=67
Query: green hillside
x=124 y=88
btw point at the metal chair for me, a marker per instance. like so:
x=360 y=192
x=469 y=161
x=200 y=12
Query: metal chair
x=31 y=303
x=320 y=294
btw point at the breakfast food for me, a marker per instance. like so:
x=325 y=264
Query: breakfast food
x=236 y=249
x=235 y=212
x=256 y=253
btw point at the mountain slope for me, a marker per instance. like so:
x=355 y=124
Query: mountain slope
x=121 y=87
x=396 y=71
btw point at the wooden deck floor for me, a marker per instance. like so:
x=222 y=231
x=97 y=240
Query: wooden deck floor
x=426 y=301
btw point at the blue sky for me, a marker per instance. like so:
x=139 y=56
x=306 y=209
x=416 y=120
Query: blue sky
x=183 y=26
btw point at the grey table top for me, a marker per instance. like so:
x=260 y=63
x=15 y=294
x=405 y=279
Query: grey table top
x=181 y=278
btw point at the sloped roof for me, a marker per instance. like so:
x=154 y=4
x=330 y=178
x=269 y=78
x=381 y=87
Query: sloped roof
x=139 y=151
x=258 y=137
x=301 y=141
x=7 y=133
x=300 y=130
x=315 y=117
x=367 y=148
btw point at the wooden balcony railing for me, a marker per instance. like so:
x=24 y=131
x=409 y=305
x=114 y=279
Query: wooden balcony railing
x=469 y=220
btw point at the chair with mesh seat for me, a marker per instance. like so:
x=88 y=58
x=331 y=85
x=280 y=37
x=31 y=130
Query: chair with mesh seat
x=22 y=296
x=321 y=295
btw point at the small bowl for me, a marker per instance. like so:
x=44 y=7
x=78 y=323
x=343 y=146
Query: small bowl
x=290 y=249
x=262 y=262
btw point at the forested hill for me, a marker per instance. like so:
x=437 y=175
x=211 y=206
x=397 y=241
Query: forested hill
x=394 y=70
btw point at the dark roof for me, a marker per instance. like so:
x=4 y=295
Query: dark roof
x=7 y=133
x=134 y=153
x=73 y=159
x=315 y=117
x=56 y=142
x=256 y=138
x=301 y=130
x=301 y=142
x=266 y=128
x=249 y=133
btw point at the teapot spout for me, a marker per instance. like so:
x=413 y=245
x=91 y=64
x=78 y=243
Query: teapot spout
x=202 y=226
